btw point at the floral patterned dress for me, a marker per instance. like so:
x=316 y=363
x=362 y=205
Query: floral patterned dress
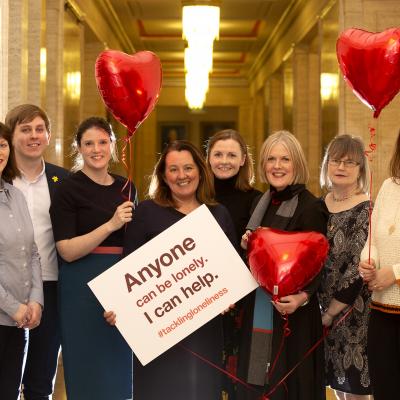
x=345 y=346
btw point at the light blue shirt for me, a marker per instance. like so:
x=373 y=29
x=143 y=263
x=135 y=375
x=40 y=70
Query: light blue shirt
x=20 y=272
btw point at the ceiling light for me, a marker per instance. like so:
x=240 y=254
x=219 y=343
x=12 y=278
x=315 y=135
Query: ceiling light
x=200 y=26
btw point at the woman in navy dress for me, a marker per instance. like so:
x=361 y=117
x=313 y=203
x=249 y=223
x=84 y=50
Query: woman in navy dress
x=232 y=166
x=181 y=182
x=88 y=216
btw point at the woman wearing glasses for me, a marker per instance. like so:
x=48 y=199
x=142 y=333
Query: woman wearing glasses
x=344 y=174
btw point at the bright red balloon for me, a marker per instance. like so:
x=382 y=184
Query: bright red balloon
x=282 y=262
x=129 y=85
x=370 y=64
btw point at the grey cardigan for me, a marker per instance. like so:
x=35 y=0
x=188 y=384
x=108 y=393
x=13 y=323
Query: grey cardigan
x=20 y=271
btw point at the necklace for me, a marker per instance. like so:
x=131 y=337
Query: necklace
x=337 y=200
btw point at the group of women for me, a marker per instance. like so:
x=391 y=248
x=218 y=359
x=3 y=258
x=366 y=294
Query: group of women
x=95 y=222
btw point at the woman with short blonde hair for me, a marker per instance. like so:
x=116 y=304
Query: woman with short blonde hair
x=287 y=206
x=296 y=153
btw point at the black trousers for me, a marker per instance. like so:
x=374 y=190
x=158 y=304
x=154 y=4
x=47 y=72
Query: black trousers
x=384 y=354
x=13 y=342
x=44 y=346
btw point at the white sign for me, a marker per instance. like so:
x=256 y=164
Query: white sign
x=173 y=284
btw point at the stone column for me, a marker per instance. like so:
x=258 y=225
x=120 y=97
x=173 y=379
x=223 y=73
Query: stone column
x=4 y=27
x=258 y=129
x=92 y=104
x=54 y=77
x=17 y=52
x=300 y=95
x=275 y=114
x=314 y=153
x=33 y=39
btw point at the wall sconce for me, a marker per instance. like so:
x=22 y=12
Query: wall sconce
x=43 y=66
x=329 y=86
x=73 y=85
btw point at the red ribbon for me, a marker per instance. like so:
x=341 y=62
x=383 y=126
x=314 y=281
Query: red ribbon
x=317 y=343
x=127 y=163
x=286 y=332
x=370 y=153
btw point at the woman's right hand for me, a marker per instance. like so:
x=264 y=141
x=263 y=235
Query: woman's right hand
x=22 y=316
x=245 y=239
x=367 y=270
x=122 y=215
x=110 y=317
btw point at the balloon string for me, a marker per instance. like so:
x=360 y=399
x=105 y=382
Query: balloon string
x=316 y=344
x=285 y=334
x=370 y=218
x=224 y=371
x=370 y=155
x=127 y=163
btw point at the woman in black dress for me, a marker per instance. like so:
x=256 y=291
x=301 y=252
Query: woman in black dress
x=289 y=206
x=344 y=173
x=181 y=182
x=88 y=216
x=232 y=166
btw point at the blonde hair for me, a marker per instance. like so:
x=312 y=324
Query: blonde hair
x=287 y=139
x=346 y=146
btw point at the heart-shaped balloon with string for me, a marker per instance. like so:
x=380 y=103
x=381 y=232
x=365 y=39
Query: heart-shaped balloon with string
x=129 y=85
x=370 y=64
x=282 y=262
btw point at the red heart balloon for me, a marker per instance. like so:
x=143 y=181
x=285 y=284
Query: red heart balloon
x=370 y=64
x=129 y=85
x=285 y=262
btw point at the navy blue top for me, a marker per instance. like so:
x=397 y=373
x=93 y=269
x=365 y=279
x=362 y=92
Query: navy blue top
x=150 y=219
x=81 y=205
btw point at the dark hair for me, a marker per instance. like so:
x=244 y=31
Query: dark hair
x=346 y=146
x=394 y=165
x=91 y=122
x=25 y=113
x=160 y=192
x=245 y=177
x=10 y=171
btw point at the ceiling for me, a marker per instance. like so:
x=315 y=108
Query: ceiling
x=155 y=25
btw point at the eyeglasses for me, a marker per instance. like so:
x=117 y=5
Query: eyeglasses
x=346 y=163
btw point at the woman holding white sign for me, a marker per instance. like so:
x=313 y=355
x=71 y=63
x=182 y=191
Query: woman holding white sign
x=287 y=206
x=88 y=214
x=181 y=182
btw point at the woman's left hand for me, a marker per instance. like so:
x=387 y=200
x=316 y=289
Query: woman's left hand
x=110 y=317
x=35 y=315
x=289 y=304
x=231 y=306
x=384 y=277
